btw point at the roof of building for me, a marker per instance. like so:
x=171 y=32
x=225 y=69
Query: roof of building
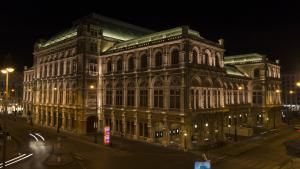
x=154 y=37
x=245 y=58
x=111 y=28
x=232 y=70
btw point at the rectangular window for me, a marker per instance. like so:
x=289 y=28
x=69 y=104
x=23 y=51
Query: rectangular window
x=158 y=98
x=130 y=98
x=108 y=97
x=144 y=98
x=119 y=97
x=175 y=98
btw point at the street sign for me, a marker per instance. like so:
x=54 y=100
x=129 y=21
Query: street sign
x=202 y=164
x=106 y=135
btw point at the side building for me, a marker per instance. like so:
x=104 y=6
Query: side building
x=61 y=90
x=266 y=87
x=172 y=88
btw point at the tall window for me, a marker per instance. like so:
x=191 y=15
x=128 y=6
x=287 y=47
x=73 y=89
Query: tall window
x=67 y=93
x=61 y=68
x=55 y=69
x=174 y=57
x=158 y=59
x=108 y=66
x=108 y=94
x=194 y=57
x=218 y=98
x=241 y=96
x=119 y=94
x=130 y=94
x=50 y=69
x=144 y=94
x=144 y=61
x=206 y=57
x=257 y=95
x=45 y=93
x=50 y=94
x=55 y=94
x=61 y=94
x=45 y=70
x=68 y=67
x=131 y=64
x=158 y=94
x=119 y=65
x=218 y=58
x=256 y=73
x=175 y=94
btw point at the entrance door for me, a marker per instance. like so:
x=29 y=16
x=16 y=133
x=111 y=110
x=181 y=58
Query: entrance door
x=91 y=124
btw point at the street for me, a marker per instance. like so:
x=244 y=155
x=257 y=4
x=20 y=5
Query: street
x=268 y=152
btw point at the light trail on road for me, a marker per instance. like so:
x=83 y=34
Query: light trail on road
x=40 y=136
x=15 y=160
x=36 y=139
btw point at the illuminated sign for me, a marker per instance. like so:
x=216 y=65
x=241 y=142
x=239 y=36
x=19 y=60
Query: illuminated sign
x=106 y=135
x=202 y=165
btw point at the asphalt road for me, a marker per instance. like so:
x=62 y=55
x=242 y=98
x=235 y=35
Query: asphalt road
x=267 y=155
x=91 y=156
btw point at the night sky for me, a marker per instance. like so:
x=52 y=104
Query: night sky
x=270 y=28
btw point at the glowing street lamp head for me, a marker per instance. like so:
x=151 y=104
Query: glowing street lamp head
x=298 y=84
x=92 y=86
x=4 y=71
x=277 y=91
x=10 y=70
x=240 y=87
x=291 y=91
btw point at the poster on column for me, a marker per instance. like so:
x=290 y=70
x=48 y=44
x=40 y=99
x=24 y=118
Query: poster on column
x=106 y=135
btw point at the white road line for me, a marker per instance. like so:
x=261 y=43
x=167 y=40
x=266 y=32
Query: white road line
x=40 y=136
x=36 y=139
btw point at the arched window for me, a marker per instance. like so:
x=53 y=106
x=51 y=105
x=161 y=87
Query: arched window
x=119 y=65
x=158 y=59
x=256 y=73
x=207 y=57
x=218 y=60
x=194 y=57
x=109 y=66
x=175 y=57
x=144 y=61
x=131 y=64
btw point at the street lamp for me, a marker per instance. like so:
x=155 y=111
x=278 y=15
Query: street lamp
x=235 y=133
x=92 y=87
x=7 y=71
x=185 y=147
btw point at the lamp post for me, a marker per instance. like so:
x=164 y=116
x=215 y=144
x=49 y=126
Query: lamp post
x=185 y=146
x=7 y=71
x=92 y=87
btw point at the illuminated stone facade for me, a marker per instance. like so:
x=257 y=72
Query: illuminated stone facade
x=61 y=90
x=172 y=88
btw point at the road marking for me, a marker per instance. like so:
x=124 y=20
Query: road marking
x=13 y=159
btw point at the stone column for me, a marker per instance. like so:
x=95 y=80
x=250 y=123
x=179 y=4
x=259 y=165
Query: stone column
x=166 y=137
x=150 y=134
x=124 y=123
x=52 y=117
x=136 y=124
x=63 y=119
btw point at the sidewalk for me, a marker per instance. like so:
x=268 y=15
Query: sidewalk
x=240 y=147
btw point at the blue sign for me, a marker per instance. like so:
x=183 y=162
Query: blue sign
x=202 y=165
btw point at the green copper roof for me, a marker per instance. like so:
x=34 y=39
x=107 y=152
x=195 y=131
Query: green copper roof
x=60 y=37
x=232 y=70
x=242 y=59
x=154 y=37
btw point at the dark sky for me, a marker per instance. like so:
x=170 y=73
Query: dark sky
x=268 y=28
